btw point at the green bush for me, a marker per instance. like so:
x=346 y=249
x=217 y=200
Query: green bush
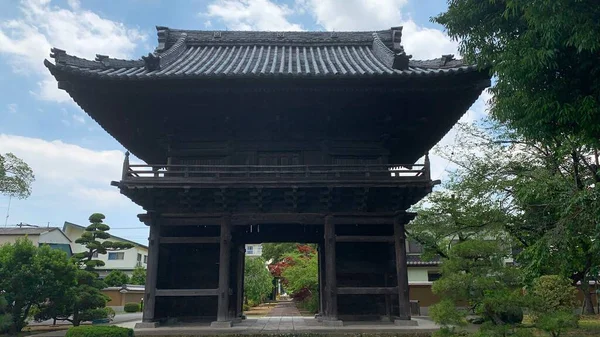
x=99 y=331
x=513 y=315
x=132 y=307
x=557 y=322
x=110 y=313
x=93 y=314
x=552 y=293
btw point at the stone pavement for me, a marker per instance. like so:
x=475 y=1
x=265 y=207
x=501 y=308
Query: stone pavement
x=284 y=309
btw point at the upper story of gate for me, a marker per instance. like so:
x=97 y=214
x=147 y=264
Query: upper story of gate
x=251 y=99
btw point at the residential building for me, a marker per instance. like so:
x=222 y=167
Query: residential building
x=51 y=236
x=123 y=260
x=254 y=250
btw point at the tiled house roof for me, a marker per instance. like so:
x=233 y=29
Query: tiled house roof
x=201 y=54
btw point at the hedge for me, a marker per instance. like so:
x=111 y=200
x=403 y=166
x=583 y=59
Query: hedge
x=132 y=307
x=99 y=331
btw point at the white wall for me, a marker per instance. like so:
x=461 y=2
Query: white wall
x=420 y=274
x=54 y=236
x=253 y=250
x=13 y=238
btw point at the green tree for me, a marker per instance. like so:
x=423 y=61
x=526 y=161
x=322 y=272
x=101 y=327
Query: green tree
x=87 y=297
x=138 y=276
x=546 y=198
x=29 y=276
x=16 y=176
x=300 y=273
x=116 y=278
x=466 y=278
x=258 y=282
x=5 y=316
x=276 y=251
x=544 y=55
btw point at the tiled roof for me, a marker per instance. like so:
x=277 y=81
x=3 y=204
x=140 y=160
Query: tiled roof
x=202 y=54
x=415 y=260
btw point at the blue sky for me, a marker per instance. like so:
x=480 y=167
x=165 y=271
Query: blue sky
x=73 y=159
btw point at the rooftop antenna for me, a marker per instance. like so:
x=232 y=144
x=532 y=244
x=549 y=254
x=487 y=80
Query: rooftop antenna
x=7 y=211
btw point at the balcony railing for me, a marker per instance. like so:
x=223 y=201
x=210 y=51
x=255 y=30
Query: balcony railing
x=387 y=172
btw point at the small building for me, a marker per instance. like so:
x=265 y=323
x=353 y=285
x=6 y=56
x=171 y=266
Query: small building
x=126 y=293
x=123 y=260
x=254 y=250
x=51 y=236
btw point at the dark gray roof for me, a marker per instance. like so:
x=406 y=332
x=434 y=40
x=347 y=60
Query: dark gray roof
x=25 y=230
x=202 y=54
x=416 y=261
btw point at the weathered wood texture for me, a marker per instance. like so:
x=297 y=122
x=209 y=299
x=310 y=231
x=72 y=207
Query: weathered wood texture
x=367 y=290
x=331 y=310
x=187 y=292
x=402 y=271
x=152 y=270
x=224 y=267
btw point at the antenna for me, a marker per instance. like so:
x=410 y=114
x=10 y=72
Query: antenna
x=7 y=211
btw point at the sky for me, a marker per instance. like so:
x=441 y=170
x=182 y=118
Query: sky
x=73 y=158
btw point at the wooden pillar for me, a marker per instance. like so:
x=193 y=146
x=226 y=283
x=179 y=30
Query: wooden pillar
x=241 y=262
x=331 y=313
x=401 y=270
x=321 y=262
x=151 y=270
x=223 y=319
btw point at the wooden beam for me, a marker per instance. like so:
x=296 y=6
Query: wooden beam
x=330 y=271
x=187 y=292
x=151 y=269
x=402 y=270
x=367 y=290
x=190 y=239
x=357 y=238
x=224 y=266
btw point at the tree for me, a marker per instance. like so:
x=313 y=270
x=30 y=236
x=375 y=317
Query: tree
x=544 y=55
x=16 y=177
x=87 y=297
x=116 y=278
x=301 y=276
x=258 y=282
x=5 y=316
x=542 y=197
x=467 y=279
x=274 y=252
x=29 y=276
x=138 y=276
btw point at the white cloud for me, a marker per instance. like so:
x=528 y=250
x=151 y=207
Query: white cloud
x=12 y=107
x=340 y=15
x=79 y=118
x=252 y=15
x=27 y=40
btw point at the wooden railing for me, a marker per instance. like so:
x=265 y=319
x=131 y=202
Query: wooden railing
x=270 y=173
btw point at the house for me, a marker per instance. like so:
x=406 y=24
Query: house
x=126 y=293
x=253 y=250
x=51 y=236
x=123 y=260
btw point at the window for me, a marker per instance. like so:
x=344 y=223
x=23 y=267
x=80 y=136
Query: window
x=116 y=256
x=433 y=276
x=249 y=250
x=139 y=257
x=259 y=250
x=145 y=258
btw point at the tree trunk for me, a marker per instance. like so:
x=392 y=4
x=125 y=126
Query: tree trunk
x=588 y=305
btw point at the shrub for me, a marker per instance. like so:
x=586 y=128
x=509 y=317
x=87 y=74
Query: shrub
x=132 y=307
x=552 y=293
x=557 y=322
x=110 y=313
x=99 y=331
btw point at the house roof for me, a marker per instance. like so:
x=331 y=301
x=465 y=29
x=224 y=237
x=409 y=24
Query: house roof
x=417 y=261
x=29 y=231
x=112 y=236
x=226 y=54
